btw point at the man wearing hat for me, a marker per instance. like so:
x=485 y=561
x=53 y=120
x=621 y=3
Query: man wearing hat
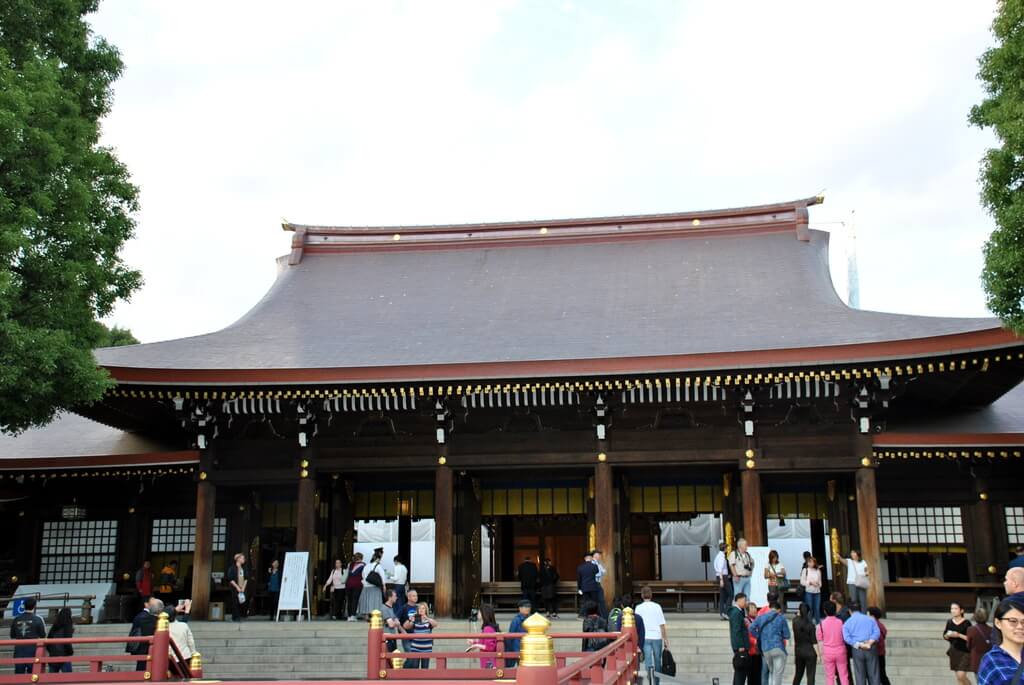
x=516 y=626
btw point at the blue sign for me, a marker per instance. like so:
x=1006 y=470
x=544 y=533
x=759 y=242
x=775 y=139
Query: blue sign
x=17 y=607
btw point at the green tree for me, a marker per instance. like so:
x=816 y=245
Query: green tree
x=116 y=337
x=1002 y=169
x=66 y=207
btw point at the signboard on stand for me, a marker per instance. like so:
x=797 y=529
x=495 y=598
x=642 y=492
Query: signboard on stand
x=295 y=585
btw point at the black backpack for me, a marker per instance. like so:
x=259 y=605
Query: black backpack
x=668 y=664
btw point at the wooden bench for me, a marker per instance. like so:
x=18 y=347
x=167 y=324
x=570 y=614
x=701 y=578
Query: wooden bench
x=676 y=592
x=508 y=593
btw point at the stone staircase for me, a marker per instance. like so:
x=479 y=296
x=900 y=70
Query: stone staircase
x=323 y=649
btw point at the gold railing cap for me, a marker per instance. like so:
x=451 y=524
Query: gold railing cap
x=536 y=625
x=376 y=619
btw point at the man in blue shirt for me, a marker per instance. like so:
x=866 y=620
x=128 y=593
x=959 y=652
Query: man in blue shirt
x=861 y=633
x=772 y=629
x=516 y=626
x=1018 y=561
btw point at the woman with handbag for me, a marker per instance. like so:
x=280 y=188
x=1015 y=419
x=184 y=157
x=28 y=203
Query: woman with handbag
x=857 y=580
x=372 y=596
x=775 y=573
x=810 y=581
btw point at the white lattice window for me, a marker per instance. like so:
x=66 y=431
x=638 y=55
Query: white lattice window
x=920 y=526
x=179 y=535
x=1015 y=525
x=78 y=552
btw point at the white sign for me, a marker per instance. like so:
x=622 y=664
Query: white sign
x=294 y=584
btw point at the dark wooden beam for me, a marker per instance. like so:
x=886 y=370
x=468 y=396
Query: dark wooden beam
x=443 y=540
x=604 y=526
x=981 y=546
x=753 y=511
x=867 y=524
x=202 y=560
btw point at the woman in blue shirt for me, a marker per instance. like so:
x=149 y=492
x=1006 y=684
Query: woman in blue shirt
x=419 y=625
x=999 y=666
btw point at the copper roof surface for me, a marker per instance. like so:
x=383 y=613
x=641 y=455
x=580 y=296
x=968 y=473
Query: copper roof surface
x=746 y=285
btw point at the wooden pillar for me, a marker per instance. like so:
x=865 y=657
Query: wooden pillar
x=444 y=535
x=840 y=540
x=867 y=525
x=604 y=526
x=624 y=538
x=468 y=546
x=753 y=511
x=305 y=514
x=202 y=559
x=981 y=546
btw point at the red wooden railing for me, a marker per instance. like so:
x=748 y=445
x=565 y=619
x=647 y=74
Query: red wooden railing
x=539 y=664
x=163 y=660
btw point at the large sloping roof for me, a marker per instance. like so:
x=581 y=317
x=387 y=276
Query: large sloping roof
x=1001 y=422
x=71 y=441
x=735 y=288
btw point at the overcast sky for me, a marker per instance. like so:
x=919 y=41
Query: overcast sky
x=232 y=116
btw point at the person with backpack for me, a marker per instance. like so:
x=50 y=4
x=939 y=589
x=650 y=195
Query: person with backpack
x=63 y=628
x=979 y=640
x=516 y=626
x=27 y=626
x=372 y=596
x=593 y=623
x=739 y=639
x=772 y=630
x=654 y=620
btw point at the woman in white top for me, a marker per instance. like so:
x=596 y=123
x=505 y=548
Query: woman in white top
x=181 y=635
x=336 y=586
x=372 y=596
x=857 y=579
x=810 y=580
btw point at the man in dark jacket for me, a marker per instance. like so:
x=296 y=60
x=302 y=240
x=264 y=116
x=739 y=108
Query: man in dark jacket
x=144 y=625
x=586 y=581
x=528 y=576
x=739 y=639
x=27 y=626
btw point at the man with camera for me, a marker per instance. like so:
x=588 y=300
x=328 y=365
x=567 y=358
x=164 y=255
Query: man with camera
x=741 y=564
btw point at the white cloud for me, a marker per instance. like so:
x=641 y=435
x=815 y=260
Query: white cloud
x=231 y=118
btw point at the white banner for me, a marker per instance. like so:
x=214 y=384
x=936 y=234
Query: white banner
x=293 y=581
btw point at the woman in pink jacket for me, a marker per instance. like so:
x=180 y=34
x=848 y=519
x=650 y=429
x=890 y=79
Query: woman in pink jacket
x=833 y=647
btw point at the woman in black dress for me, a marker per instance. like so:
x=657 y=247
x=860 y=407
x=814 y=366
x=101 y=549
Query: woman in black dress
x=956 y=635
x=805 y=645
x=549 y=588
x=63 y=627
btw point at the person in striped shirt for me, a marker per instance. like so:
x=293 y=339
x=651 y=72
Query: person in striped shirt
x=419 y=625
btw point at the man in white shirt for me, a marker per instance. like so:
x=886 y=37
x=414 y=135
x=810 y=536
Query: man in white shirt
x=741 y=565
x=399 y=580
x=724 y=582
x=655 y=632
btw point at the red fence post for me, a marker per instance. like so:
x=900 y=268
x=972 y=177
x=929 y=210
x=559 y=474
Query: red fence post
x=39 y=667
x=374 y=645
x=537 y=654
x=159 y=650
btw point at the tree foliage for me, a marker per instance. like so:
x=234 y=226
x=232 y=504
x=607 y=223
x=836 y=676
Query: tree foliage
x=116 y=337
x=1002 y=169
x=66 y=206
